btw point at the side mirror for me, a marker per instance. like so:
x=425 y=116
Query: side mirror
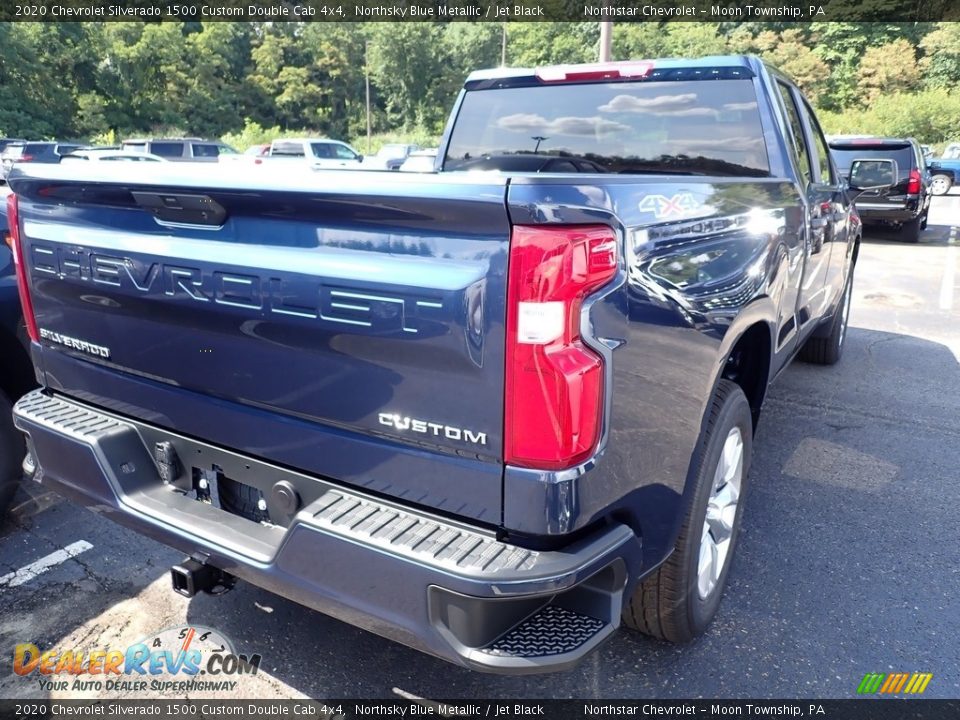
x=359 y=158
x=872 y=175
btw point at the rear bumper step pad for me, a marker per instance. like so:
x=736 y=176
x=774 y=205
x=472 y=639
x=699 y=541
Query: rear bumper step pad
x=447 y=588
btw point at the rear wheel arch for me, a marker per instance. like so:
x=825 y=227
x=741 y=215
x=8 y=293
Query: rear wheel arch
x=16 y=369
x=747 y=364
x=752 y=341
x=667 y=604
x=745 y=361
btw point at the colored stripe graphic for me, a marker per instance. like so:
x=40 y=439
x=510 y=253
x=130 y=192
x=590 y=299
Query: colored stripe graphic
x=889 y=682
x=870 y=683
x=894 y=683
x=927 y=677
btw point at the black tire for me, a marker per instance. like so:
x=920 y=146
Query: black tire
x=828 y=349
x=910 y=231
x=923 y=219
x=668 y=604
x=940 y=185
x=12 y=450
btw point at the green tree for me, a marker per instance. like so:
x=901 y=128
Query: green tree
x=788 y=52
x=90 y=79
x=41 y=67
x=842 y=44
x=281 y=74
x=407 y=62
x=208 y=91
x=337 y=56
x=550 y=43
x=791 y=56
x=141 y=75
x=931 y=116
x=940 y=64
x=888 y=68
x=638 y=41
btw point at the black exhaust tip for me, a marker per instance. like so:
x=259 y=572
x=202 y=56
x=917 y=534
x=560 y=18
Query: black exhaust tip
x=191 y=576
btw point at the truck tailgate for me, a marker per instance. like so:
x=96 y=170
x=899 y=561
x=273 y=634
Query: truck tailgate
x=347 y=324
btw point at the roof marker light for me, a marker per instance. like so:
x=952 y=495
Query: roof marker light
x=594 y=71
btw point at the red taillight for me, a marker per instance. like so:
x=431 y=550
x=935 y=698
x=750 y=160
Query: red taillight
x=913 y=184
x=24 y=158
x=554 y=383
x=595 y=71
x=13 y=224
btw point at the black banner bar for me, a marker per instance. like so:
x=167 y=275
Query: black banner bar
x=480 y=10
x=189 y=709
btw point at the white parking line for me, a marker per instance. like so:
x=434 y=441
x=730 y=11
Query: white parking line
x=435 y=707
x=946 y=285
x=29 y=572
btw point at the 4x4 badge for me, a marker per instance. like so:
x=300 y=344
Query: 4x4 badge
x=679 y=205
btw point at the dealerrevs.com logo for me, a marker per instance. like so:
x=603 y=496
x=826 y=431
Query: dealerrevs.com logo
x=180 y=659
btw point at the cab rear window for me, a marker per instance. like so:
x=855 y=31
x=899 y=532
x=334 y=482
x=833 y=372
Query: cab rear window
x=698 y=127
x=287 y=149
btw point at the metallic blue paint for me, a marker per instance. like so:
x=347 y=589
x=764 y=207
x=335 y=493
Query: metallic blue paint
x=289 y=329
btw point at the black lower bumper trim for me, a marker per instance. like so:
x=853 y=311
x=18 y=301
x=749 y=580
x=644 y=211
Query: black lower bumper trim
x=447 y=588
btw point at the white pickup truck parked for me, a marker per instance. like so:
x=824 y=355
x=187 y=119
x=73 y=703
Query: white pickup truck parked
x=318 y=152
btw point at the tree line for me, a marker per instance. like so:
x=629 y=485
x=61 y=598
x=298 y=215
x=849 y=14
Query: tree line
x=247 y=81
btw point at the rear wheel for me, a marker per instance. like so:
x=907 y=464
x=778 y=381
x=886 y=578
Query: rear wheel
x=940 y=184
x=910 y=231
x=11 y=455
x=828 y=350
x=678 y=601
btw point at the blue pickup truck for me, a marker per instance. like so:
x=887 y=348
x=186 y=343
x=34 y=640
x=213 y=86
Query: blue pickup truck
x=944 y=174
x=492 y=411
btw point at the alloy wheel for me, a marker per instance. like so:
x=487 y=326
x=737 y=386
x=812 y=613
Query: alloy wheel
x=721 y=514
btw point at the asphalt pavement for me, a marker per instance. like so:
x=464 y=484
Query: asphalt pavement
x=849 y=562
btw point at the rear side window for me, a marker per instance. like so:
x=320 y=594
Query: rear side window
x=845 y=153
x=127 y=158
x=287 y=149
x=702 y=127
x=167 y=149
x=819 y=145
x=799 y=142
x=205 y=150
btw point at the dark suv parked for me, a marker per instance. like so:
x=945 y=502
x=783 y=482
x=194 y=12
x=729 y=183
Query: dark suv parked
x=38 y=152
x=904 y=205
x=181 y=149
x=4 y=142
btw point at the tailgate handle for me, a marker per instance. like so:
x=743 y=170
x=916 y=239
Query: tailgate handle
x=182 y=209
